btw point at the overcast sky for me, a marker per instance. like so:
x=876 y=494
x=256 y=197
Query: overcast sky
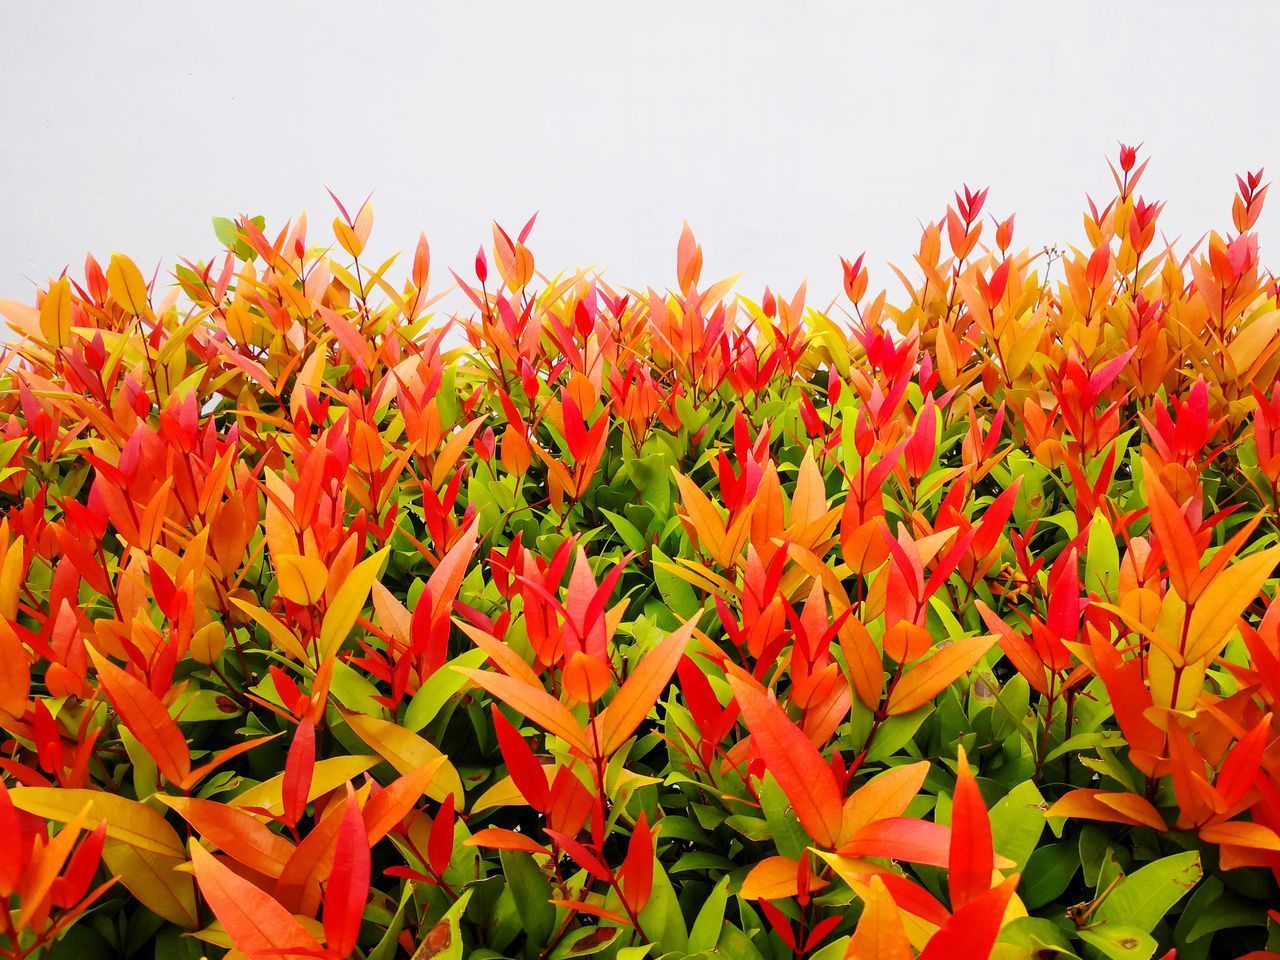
x=787 y=134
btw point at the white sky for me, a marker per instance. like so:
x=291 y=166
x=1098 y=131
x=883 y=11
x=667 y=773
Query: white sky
x=787 y=134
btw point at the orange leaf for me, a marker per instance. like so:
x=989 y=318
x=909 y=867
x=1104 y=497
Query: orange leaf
x=794 y=762
x=1109 y=807
x=1174 y=536
x=636 y=697
x=926 y=680
x=146 y=717
x=879 y=934
x=1242 y=833
x=775 y=878
x=886 y=795
x=238 y=834
x=254 y=920
x=534 y=703
x=393 y=803
x=497 y=838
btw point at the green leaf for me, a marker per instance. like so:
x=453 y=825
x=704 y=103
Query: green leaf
x=585 y=942
x=710 y=920
x=1120 y=942
x=662 y=918
x=444 y=942
x=531 y=892
x=1017 y=821
x=1143 y=898
x=1041 y=937
x=1102 y=559
x=440 y=686
x=388 y=945
x=1048 y=872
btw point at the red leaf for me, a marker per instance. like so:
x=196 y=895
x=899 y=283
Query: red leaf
x=526 y=773
x=971 y=857
x=348 y=888
x=585 y=858
x=299 y=766
x=636 y=874
x=440 y=842
x=900 y=838
x=972 y=930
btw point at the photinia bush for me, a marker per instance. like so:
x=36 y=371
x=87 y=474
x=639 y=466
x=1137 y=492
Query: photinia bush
x=639 y=624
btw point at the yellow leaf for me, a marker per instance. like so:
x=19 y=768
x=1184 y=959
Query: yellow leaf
x=128 y=820
x=11 y=579
x=301 y=579
x=141 y=848
x=280 y=635
x=55 y=312
x=1252 y=341
x=406 y=751
x=125 y=283
x=348 y=602
x=328 y=775
x=1223 y=601
x=157 y=881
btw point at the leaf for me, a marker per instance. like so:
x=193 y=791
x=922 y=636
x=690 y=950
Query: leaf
x=901 y=838
x=239 y=834
x=1143 y=897
x=146 y=717
x=348 y=602
x=1017 y=822
x=159 y=882
x=394 y=802
x=299 y=766
x=128 y=820
x=1229 y=594
x=302 y=579
x=1120 y=942
x=406 y=751
x=55 y=313
x=280 y=635
x=971 y=859
x=530 y=891
x=438 y=689
x=773 y=878
x=535 y=704
x=794 y=762
x=635 y=876
x=328 y=774
x=884 y=795
x=879 y=934
x=127 y=287
x=636 y=697
x=972 y=930
x=347 y=890
x=254 y=920
x=707 y=925
x=927 y=679
x=1110 y=807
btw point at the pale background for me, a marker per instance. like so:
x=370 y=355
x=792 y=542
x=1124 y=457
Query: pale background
x=788 y=134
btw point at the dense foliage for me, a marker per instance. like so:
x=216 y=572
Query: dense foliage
x=597 y=622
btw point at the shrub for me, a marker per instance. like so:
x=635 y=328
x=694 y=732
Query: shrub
x=601 y=622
